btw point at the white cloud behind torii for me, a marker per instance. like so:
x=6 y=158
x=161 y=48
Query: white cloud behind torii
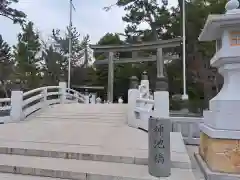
x=89 y=18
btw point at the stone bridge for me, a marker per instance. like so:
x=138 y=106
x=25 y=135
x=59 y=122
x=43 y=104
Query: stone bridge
x=65 y=138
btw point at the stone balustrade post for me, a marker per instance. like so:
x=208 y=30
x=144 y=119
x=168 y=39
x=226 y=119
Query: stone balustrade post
x=76 y=97
x=145 y=82
x=161 y=98
x=93 y=98
x=16 y=112
x=133 y=94
x=144 y=93
x=62 y=92
x=98 y=100
x=86 y=95
x=44 y=98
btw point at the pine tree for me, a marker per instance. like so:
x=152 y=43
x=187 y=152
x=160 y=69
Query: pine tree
x=143 y=11
x=61 y=44
x=6 y=65
x=53 y=65
x=27 y=56
x=15 y=15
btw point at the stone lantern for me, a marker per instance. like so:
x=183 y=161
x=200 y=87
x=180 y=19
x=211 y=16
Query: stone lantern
x=133 y=82
x=219 y=151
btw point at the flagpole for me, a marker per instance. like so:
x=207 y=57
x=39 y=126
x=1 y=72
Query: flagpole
x=70 y=42
x=184 y=96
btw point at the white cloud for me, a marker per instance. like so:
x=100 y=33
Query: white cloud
x=89 y=17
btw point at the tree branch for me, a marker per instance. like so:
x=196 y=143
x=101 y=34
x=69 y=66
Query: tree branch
x=107 y=8
x=5 y=15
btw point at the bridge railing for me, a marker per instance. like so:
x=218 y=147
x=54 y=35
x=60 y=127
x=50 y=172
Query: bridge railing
x=189 y=127
x=39 y=98
x=141 y=107
x=5 y=109
x=76 y=96
x=144 y=105
x=21 y=105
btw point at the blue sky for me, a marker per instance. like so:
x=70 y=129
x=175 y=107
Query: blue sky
x=89 y=18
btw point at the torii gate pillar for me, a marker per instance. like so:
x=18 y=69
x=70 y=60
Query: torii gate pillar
x=110 y=76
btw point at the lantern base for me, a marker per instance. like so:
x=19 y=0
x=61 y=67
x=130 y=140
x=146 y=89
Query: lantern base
x=220 y=155
x=211 y=175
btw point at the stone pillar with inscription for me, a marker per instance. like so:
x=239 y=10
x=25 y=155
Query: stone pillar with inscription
x=219 y=151
x=159 y=161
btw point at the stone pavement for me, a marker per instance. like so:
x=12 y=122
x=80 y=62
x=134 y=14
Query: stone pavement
x=195 y=167
x=71 y=142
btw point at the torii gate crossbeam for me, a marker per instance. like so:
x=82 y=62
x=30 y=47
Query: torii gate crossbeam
x=134 y=48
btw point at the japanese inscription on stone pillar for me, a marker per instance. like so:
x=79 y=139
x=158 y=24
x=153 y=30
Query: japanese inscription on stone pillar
x=159 y=147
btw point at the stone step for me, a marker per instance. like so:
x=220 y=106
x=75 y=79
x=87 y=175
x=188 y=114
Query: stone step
x=100 y=118
x=82 y=121
x=81 y=169
x=114 y=121
x=88 y=112
x=8 y=176
x=90 y=153
x=113 y=104
x=83 y=115
x=105 y=157
x=74 y=111
x=78 y=105
x=92 y=106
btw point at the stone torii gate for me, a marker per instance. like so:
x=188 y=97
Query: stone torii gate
x=135 y=49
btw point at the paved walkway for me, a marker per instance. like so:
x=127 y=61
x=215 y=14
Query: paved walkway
x=63 y=130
